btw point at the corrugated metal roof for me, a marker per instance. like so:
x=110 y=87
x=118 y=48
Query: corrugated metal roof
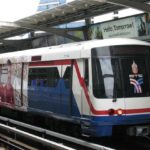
x=75 y=10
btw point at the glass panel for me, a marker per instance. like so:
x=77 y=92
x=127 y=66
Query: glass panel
x=105 y=74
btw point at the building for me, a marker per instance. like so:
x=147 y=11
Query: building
x=48 y=4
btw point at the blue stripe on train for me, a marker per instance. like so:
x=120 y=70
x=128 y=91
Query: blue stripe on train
x=124 y=119
x=103 y=125
x=53 y=99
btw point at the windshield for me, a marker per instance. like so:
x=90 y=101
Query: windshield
x=120 y=71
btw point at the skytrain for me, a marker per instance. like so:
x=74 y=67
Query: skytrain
x=100 y=86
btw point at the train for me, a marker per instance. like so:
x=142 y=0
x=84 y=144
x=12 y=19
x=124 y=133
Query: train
x=101 y=86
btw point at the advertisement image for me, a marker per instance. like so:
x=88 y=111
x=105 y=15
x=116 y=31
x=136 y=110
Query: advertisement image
x=11 y=93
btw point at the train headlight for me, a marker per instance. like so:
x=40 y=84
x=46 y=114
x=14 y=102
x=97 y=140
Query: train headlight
x=119 y=112
x=111 y=112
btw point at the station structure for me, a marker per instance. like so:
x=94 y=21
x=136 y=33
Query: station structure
x=50 y=22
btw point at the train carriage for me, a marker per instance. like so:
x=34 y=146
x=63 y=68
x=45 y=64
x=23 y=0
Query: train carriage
x=101 y=85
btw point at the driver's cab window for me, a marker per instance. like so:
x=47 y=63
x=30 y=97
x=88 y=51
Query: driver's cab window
x=135 y=77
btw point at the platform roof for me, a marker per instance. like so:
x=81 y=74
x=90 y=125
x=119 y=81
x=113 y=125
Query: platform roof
x=73 y=11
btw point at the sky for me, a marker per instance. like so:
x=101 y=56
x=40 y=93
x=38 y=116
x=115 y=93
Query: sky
x=12 y=10
x=121 y=14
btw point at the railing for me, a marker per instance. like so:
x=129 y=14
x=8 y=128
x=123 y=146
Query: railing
x=43 y=132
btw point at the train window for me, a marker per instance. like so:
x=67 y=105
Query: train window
x=67 y=77
x=105 y=74
x=43 y=77
x=3 y=74
x=113 y=71
x=135 y=76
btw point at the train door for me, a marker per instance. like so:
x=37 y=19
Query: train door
x=85 y=109
x=69 y=88
x=24 y=86
x=19 y=83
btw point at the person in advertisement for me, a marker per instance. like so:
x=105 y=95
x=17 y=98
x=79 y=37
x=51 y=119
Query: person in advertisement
x=9 y=92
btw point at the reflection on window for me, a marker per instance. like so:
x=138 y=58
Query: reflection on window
x=106 y=78
x=43 y=77
x=67 y=77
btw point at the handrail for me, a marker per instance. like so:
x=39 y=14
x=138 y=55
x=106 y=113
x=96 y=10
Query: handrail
x=54 y=134
x=36 y=138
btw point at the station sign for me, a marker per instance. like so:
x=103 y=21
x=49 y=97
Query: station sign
x=127 y=27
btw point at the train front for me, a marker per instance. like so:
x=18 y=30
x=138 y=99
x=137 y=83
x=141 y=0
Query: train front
x=121 y=90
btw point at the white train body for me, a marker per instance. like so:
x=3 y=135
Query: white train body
x=103 y=85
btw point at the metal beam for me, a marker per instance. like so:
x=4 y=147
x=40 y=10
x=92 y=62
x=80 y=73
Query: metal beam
x=57 y=31
x=8 y=24
x=128 y=3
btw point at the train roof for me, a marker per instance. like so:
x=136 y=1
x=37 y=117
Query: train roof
x=65 y=51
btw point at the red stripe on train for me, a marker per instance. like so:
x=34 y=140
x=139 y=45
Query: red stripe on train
x=132 y=111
